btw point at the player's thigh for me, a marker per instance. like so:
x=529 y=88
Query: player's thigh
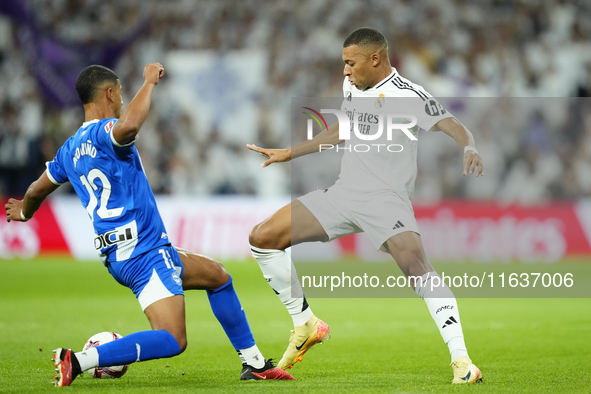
x=154 y=279
x=305 y=227
x=169 y=314
x=290 y=225
x=151 y=276
x=200 y=272
x=407 y=249
x=391 y=226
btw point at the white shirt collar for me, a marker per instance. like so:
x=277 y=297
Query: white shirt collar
x=89 y=122
x=379 y=84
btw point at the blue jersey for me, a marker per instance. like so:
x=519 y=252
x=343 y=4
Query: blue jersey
x=110 y=181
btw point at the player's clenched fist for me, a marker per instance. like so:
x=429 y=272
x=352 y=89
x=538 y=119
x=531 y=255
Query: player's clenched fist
x=153 y=72
x=13 y=210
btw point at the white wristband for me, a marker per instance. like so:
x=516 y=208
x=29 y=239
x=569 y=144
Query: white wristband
x=473 y=149
x=23 y=216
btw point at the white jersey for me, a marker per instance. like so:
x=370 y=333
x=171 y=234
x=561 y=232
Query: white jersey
x=388 y=163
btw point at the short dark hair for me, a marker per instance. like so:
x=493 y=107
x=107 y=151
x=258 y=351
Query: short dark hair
x=90 y=79
x=366 y=36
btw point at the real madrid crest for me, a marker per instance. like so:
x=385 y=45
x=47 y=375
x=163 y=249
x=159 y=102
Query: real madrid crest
x=380 y=101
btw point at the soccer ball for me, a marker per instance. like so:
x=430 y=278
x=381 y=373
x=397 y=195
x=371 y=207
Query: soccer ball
x=105 y=372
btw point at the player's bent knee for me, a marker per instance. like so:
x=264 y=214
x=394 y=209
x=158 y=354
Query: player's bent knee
x=214 y=275
x=253 y=238
x=263 y=237
x=222 y=277
x=202 y=272
x=182 y=343
x=181 y=339
x=218 y=273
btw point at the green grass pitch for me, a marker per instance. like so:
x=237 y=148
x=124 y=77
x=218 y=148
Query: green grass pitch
x=377 y=345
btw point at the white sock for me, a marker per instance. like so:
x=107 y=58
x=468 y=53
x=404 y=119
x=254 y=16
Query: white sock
x=444 y=309
x=252 y=356
x=280 y=273
x=88 y=359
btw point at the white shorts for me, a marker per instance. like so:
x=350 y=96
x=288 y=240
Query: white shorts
x=381 y=216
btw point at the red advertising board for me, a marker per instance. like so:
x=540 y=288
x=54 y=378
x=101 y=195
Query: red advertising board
x=40 y=235
x=451 y=230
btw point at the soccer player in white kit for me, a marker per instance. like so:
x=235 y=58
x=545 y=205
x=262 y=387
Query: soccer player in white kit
x=372 y=194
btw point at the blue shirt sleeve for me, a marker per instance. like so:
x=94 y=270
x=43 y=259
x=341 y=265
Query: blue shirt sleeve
x=56 y=170
x=106 y=138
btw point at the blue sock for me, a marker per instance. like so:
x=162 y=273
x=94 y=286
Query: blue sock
x=139 y=346
x=227 y=309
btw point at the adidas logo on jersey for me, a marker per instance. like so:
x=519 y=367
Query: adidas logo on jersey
x=449 y=322
x=398 y=225
x=164 y=236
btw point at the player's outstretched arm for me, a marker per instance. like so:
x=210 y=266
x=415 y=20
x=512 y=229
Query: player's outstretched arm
x=465 y=139
x=136 y=112
x=23 y=210
x=329 y=136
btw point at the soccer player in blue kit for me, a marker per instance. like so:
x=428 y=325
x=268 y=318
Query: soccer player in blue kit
x=103 y=165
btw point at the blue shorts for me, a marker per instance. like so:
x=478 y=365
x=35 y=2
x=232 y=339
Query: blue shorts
x=152 y=276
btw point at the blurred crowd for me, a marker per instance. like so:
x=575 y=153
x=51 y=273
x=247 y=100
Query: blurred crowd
x=454 y=48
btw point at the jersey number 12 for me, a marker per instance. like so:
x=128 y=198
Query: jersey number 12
x=102 y=210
